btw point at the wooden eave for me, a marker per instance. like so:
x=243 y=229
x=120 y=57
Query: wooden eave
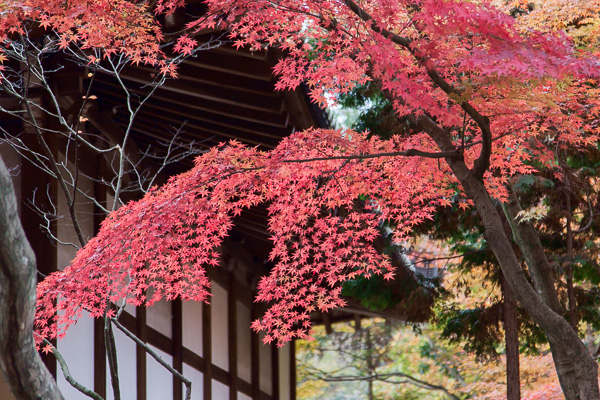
x=220 y=95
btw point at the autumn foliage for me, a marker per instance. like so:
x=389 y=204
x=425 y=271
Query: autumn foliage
x=465 y=65
x=322 y=230
x=100 y=28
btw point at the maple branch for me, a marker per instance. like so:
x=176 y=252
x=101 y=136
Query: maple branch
x=588 y=224
x=406 y=153
x=176 y=149
x=439 y=135
x=186 y=382
x=111 y=349
x=456 y=153
x=49 y=217
x=65 y=369
x=483 y=161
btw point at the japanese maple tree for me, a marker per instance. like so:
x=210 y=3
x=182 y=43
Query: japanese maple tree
x=481 y=95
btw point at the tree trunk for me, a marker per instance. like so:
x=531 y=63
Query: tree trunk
x=529 y=242
x=370 y=365
x=511 y=338
x=20 y=363
x=576 y=369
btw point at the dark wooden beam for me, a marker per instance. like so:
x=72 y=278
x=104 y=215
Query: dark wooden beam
x=261 y=55
x=158 y=107
x=206 y=139
x=107 y=88
x=232 y=335
x=274 y=371
x=206 y=130
x=212 y=93
x=293 y=370
x=99 y=344
x=140 y=353
x=177 y=347
x=244 y=387
x=207 y=350
x=195 y=73
x=193 y=360
x=232 y=64
x=254 y=357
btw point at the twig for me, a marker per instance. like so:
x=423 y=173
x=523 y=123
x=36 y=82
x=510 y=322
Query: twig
x=65 y=370
x=111 y=349
x=186 y=382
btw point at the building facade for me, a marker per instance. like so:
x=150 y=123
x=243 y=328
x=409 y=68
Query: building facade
x=221 y=94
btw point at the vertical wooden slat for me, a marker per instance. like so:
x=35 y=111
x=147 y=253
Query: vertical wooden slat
x=176 y=329
x=99 y=345
x=207 y=350
x=232 y=336
x=327 y=323
x=293 y=370
x=254 y=357
x=357 y=324
x=140 y=353
x=275 y=371
x=99 y=358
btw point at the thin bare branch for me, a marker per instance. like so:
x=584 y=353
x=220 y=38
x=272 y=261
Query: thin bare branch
x=65 y=369
x=148 y=349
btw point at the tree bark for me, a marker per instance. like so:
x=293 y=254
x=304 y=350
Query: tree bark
x=511 y=337
x=576 y=369
x=529 y=242
x=20 y=363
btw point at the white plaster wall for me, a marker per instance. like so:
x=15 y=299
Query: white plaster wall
x=197 y=379
x=243 y=340
x=266 y=375
x=126 y=359
x=284 y=354
x=219 y=324
x=159 y=381
x=242 y=396
x=219 y=391
x=130 y=309
x=192 y=326
x=159 y=317
x=77 y=348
